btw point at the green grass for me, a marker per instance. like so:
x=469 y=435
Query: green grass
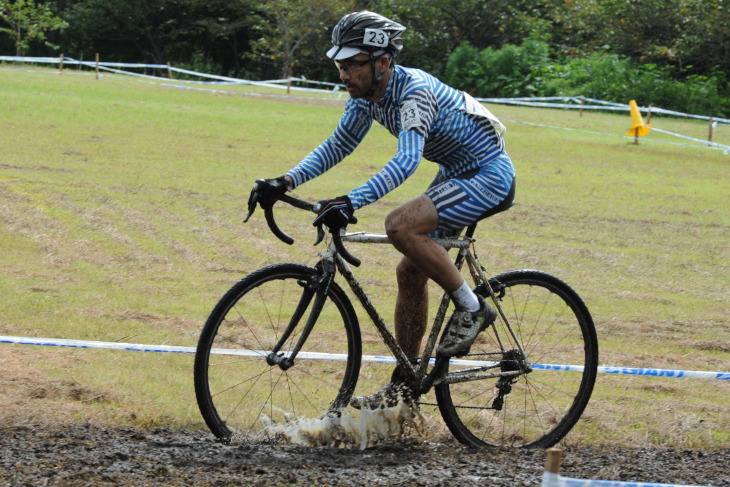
x=121 y=207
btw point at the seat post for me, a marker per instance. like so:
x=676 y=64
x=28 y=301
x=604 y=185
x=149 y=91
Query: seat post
x=470 y=230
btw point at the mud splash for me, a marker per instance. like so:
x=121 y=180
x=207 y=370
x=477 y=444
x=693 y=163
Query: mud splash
x=345 y=428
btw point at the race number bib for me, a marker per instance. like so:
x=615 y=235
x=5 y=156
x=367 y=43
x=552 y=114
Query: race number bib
x=410 y=116
x=375 y=38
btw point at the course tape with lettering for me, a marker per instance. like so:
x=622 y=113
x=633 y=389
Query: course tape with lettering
x=135 y=347
x=550 y=479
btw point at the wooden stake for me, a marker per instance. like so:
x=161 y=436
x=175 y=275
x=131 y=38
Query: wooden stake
x=648 y=116
x=582 y=102
x=60 y=64
x=552 y=461
x=169 y=71
x=709 y=135
x=97 y=65
x=636 y=136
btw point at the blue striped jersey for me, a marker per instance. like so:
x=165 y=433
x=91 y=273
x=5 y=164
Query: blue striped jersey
x=430 y=119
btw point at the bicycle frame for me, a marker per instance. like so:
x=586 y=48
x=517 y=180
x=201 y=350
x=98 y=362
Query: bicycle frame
x=278 y=312
x=337 y=257
x=419 y=376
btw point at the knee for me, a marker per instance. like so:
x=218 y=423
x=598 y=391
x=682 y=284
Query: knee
x=393 y=224
x=403 y=224
x=411 y=219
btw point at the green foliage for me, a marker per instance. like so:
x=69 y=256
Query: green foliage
x=612 y=77
x=436 y=28
x=671 y=53
x=25 y=21
x=528 y=70
x=508 y=72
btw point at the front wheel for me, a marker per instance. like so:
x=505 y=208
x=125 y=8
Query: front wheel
x=538 y=407
x=239 y=394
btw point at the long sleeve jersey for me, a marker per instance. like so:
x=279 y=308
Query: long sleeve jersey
x=430 y=119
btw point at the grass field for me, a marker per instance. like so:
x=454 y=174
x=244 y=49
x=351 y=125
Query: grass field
x=121 y=207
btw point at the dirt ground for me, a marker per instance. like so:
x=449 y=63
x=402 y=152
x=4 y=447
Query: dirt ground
x=84 y=455
x=44 y=440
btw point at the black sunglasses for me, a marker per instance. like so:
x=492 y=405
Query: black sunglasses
x=347 y=65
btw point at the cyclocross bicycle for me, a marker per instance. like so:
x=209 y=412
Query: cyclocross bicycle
x=284 y=343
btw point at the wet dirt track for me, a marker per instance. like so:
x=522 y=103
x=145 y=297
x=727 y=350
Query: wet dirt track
x=81 y=455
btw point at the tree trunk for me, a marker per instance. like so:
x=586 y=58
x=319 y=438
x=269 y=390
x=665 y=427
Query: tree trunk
x=18 y=42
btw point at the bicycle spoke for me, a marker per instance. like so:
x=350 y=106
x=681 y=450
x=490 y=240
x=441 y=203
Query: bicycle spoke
x=251 y=318
x=540 y=406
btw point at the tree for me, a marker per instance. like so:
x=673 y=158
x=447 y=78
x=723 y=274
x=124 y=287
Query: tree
x=435 y=28
x=209 y=35
x=692 y=36
x=703 y=43
x=28 y=22
x=290 y=24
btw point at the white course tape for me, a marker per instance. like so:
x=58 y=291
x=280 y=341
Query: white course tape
x=575 y=103
x=724 y=148
x=703 y=143
x=578 y=102
x=136 y=347
x=555 y=480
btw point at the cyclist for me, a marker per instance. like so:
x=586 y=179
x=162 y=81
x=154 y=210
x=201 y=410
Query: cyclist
x=432 y=121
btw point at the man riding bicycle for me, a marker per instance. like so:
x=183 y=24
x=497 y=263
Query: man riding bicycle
x=431 y=121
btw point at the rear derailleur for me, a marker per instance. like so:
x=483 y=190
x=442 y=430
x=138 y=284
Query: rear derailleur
x=512 y=361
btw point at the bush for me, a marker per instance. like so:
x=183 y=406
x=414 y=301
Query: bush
x=527 y=70
x=507 y=72
x=614 y=78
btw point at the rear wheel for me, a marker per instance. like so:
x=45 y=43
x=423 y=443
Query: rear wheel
x=539 y=407
x=239 y=394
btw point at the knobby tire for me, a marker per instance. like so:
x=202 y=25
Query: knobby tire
x=239 y=394
x=542 y=406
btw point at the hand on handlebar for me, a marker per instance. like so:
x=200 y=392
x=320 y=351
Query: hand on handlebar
x=335 y=213
x=266 y=192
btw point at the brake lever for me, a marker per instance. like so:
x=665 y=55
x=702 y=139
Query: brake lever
x=337 y=240
x=320 y=235
x=251 y=207
x=253 y=199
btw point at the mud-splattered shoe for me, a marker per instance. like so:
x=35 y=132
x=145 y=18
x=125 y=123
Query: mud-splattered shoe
x=387 y=397
x=463 y=328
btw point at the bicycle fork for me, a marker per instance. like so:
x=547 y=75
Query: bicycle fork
x=318 y=287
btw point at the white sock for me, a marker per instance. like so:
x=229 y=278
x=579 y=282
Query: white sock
x=465 y=298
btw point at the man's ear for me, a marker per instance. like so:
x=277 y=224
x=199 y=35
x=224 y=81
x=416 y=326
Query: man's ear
x=383 y=63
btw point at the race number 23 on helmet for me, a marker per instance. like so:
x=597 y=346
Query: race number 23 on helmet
x=365 y=33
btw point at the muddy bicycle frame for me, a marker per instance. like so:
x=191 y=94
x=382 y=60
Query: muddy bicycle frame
x=493 y=396
x=512 y=363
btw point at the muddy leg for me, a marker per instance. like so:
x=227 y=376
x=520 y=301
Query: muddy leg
x=411 y=307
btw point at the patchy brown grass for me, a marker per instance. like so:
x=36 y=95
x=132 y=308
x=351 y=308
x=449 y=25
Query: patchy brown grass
x=121 y=221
